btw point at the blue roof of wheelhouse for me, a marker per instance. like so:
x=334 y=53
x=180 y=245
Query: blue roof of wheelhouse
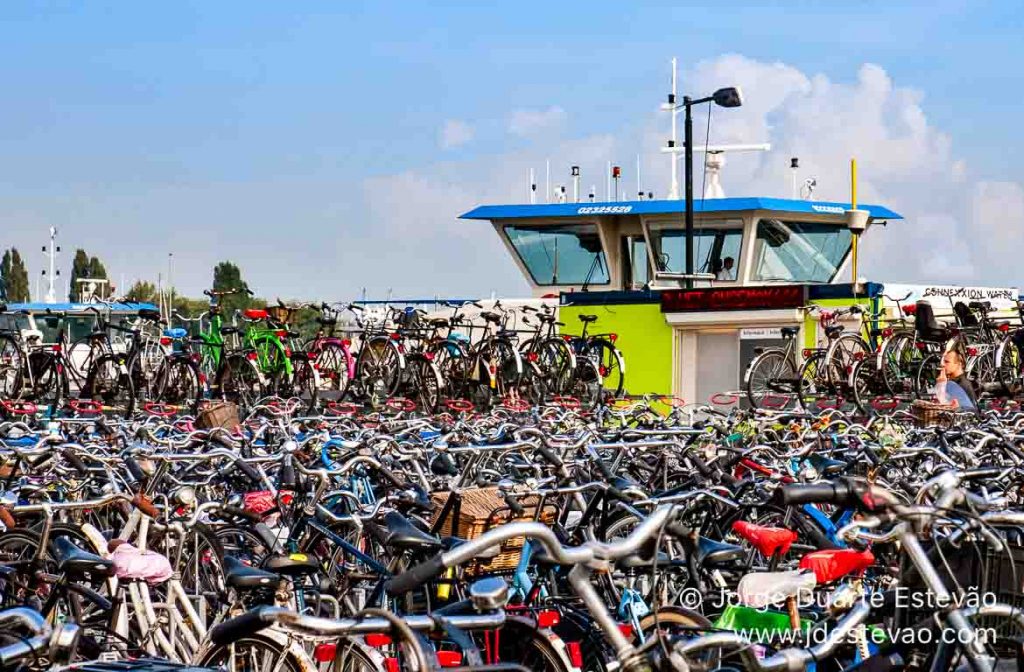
x=548 y=210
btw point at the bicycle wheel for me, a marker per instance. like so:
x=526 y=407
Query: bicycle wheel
x=610 y=364
x=332 y=362
x=811 y=382
x=303 y=384
x=841 y=355
x=45 y=382
x=12 y=365
x=898 y=362
x=767 y=374
x=429 y=384
x=1009 y=363
x=927 y=374
x=239 y=380
x=379 y=368
x=520 y=643
x=863 y=385
x=177 y=383
x=587 y=383
x=110 y=383
x=556 y=363
x=676 y=622
x=252 y=653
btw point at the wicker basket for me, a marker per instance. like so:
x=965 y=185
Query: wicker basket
x=214 y=414
x=482 y=509
x=932 y=414
x=280 y=314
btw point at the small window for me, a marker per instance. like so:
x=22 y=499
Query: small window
x=561 y=255
x=637 y=268
x=716 y=247
x=799 y=251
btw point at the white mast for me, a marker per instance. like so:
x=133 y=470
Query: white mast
x=51 y=292
x=673 y=192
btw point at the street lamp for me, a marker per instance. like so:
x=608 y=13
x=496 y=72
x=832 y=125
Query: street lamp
x=727 y=97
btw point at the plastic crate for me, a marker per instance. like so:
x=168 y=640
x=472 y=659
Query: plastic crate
x=987 y=572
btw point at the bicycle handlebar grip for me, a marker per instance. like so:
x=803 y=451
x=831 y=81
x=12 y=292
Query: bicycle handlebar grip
x=982 y=472
x=390 y=477
x=134 y=468
x=240 y=513
x=249 y=471
x=514 y=505
x=287 y=479
x=143 y=503
x=549 y=456
x=238 y=627
x=76 y=462
x=416 y=576
x=809 y=493
x=700 y=465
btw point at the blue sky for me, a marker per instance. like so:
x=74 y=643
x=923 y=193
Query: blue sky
x=307 y=140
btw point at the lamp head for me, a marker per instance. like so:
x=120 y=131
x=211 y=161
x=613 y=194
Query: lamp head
x=728 y=97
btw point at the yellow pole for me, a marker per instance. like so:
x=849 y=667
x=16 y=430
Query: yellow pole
x=853 y=206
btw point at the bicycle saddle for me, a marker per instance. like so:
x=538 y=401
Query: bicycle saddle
x=789 y=332
x=74 y=561
x=826 y=466
x=239 y=575
x=295 y=564
x=255 y=313
x=398 y=532
x=833 y=564
x=438 y=322
x=176 y=332
x=327 y=321
x=227 y=331
x=149 y=314
x=710 y=552
x=491 y=317
x=759 y=589
x=588 y=318
x=833 y=330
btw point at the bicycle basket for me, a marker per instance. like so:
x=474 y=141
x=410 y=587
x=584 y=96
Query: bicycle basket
x=214 y=414
x=482 y=509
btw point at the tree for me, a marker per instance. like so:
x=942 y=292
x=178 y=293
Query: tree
x=13 y=277
x=84 y=266
x=141 y=292
x=97 y=270
x=79 y=269
x=227 y=275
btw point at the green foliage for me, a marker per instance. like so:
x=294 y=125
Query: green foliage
x=142 y=292
x=84 y=266
x=227 y=275
x=79 y=269
x=13 y=277
x=96 y=269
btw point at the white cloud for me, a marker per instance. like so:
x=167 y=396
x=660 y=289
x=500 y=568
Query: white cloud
x=455 y=133
x=526 y=123
x=958 y=228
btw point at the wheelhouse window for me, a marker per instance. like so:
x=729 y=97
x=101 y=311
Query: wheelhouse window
x=799 y=251
x=561 y=255
x=714 y=244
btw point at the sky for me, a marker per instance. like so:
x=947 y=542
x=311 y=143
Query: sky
x=328 y=147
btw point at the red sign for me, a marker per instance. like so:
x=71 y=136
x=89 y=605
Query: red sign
x=738 y=298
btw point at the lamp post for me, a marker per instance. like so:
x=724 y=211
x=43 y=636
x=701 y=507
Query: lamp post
x=727 y=97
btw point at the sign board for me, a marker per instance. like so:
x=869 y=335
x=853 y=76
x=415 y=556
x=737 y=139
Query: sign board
x=760 y=333
x=737 y=298
x=940 y=296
